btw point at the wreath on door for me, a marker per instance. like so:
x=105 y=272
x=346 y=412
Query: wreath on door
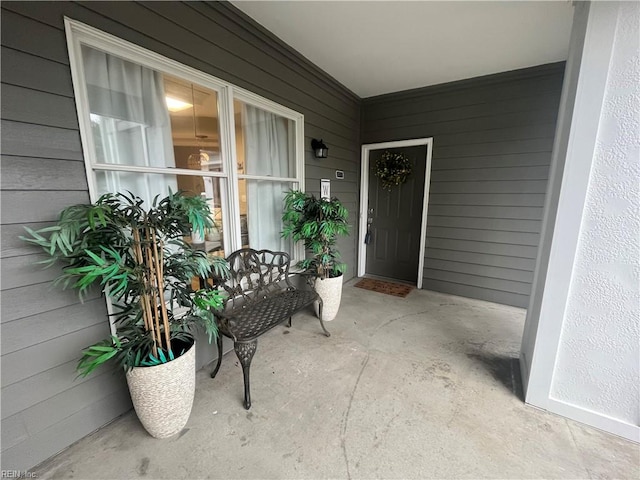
x=393 y=169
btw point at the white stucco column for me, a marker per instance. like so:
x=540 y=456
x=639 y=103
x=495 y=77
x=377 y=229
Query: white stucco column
x=581 y=347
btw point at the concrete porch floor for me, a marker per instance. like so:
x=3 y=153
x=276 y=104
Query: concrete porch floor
x=422 y=387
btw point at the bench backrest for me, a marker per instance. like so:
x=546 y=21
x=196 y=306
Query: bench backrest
x=254 y=275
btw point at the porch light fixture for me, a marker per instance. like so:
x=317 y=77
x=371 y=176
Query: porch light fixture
x=320 y=150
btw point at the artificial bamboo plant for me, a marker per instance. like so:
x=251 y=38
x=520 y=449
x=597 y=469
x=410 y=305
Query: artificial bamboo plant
x=317 y=222
x=140 y=260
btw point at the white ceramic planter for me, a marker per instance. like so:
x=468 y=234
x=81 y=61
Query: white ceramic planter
x=330 y=291
x=163 y=395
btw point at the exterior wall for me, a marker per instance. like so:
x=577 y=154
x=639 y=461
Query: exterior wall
x=586 y=350
x=598 y=364
x=560 y=148
x=44 y=408
x=492 y=142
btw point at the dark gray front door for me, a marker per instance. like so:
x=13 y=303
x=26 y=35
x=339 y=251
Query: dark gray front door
x=396 y=218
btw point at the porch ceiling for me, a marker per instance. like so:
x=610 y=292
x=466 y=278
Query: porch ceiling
x=377 y=47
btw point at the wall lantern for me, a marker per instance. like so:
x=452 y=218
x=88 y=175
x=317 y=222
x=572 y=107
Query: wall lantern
x=320 y=150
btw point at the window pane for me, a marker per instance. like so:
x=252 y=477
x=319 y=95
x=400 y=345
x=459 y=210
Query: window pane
x=148 y=185
x=265 y=142
x=261 y=204
x=118 y=141
x=194 y=125
x=129 y=118
x=144 y=118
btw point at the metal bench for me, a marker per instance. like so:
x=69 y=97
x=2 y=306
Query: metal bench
x=260 y=297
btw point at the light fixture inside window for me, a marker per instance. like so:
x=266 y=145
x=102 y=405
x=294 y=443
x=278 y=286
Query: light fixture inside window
x=175 y=105
x=320 y=150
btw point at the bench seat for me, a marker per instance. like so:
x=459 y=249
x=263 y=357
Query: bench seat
x=260 y=296
x=255 y=319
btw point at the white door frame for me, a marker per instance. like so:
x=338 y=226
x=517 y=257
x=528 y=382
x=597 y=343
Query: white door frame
x=364 y=198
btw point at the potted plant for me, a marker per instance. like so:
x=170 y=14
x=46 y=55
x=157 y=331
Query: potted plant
x=139 y=259
x=318 y=222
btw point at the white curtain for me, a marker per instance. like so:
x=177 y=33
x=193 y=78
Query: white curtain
x=130 y=123
x=267 y=152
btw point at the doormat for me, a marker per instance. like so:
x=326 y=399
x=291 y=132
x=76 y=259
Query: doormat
x=380 y=286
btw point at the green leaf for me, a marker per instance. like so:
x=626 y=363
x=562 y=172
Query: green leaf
x=95 y=257
x=163 y=359
x=96 y=349
x=94 y=356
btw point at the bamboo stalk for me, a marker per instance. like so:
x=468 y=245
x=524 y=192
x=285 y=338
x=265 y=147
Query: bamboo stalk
x=138 y=257
x=163 y=306
x=158 y=297
x=149 y=263
x=144 y=297
x=153 y=284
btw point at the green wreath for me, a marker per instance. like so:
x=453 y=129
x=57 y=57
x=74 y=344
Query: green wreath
x=393 y=169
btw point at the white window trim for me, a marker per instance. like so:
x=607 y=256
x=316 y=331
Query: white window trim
x=78 y=33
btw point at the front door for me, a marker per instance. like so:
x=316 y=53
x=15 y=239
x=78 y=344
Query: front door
x=395 y=219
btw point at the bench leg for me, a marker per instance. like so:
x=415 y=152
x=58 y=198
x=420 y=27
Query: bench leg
x=245 y=352
x=289 y=324
x=219 y=344
x=326 y=333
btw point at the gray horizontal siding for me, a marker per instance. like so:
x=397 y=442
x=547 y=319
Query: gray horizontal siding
x=535 y=172
x=10 y=243
x=43 y=108
x=477 y=235
x=513 y=85
x=18 y=68
x=43 y=328
x=492 y=121
x=481 y=259
x=499 y=161
x=492 y=142
x=482 y=280
x=521 y=132
x=53 y=381
x=57 y=408
x=471 y=291
x=458 y=266
x=28 y=206
x=475 y=246
x=20 y=173
x=488 y=199
x=31 y=140
x=18 y=303
x=490 y=187
x=483 y=223
x=351 y=172
x=486 y=211
x=99 y=409
x=25 y=363
x=24 y=270
x=482 y=115
x=496 y=148
x=31 y=36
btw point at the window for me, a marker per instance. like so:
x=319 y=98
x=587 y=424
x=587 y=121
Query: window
x=266 y=160
x=150 y=124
